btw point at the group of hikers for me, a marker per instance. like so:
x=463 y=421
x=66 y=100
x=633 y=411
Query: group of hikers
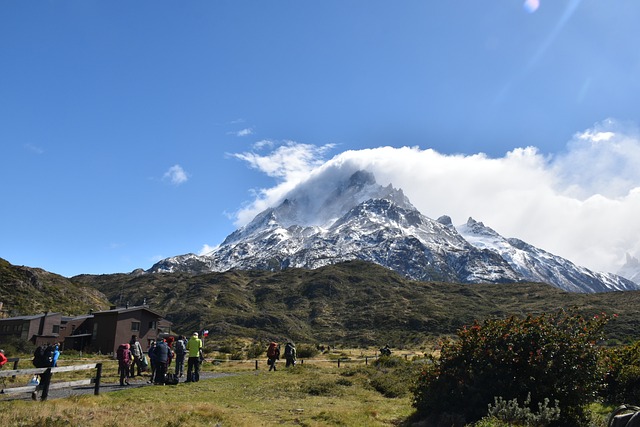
x=273 y=355
x=133 y=361
x=162 y=352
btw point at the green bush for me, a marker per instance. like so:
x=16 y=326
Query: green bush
x=255 y=350
x=305 y=351
x=622 y=374
x=549 y=356
x=512 y=413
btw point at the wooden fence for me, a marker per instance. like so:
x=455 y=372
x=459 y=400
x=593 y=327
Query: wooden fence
x=46 y=375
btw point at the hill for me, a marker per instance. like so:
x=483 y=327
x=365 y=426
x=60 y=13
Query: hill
x=25 y=290
x=353 y=303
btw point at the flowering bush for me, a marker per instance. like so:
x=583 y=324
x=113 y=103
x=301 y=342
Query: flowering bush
x=549 y=357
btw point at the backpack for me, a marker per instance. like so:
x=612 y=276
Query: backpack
x=43 y=356
x=273 y=351
x=288 y=350
x=180 y=347
x=120 y=353
x=171 y=379
x=625 y=416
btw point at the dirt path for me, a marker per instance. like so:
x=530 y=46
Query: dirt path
x=136 y=382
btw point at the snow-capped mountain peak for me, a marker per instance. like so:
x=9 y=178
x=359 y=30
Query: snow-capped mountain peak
x=330 y=220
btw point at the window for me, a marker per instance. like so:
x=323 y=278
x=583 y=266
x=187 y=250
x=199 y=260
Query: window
x=135 y=326
x=153 y=325
x=56 y=329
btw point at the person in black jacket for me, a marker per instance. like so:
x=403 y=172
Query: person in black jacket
x=161 y=354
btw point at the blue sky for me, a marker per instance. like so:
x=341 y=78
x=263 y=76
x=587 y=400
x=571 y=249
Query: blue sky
x=134 y=131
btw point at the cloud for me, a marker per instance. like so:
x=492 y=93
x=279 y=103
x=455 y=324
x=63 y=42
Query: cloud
x=176 y=175
x=242 y=132
x=206 y=249
x=581 y=204
x=34 y=149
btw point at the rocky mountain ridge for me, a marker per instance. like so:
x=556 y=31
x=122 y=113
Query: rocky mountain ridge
x=360 y=219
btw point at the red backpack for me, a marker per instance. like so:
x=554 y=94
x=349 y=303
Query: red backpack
x=272 y=351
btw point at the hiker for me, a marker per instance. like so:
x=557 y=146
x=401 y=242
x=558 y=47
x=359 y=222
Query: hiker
x=56 y=355
x=273 y=354
x=152 y=359
x=161 y=357
x=385 y=351
x=194 y=349
x=3 y=358
x=123 y=355
x=290 y=354
x=180 y=348
x=136 y=353
x=43 y=358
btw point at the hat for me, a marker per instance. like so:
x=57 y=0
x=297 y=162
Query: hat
x=195 y=334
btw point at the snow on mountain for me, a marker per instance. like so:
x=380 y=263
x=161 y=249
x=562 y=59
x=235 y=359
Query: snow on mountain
x=356 y=218
x=536 y=265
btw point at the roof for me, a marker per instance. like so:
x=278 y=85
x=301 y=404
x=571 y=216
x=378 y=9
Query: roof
x=29 y=317
x=128 y=310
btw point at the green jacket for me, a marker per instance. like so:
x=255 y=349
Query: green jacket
x=193 y=346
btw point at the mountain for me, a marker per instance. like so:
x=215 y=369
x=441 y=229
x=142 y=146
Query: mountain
x=536 y=265
x=325 y=222
x=26 y=290
x=350 y=303
x=631 y=269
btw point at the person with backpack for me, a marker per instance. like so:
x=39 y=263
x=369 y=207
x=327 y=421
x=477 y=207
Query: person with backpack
x=123 y=354
x=180 y=349
x=136 y=354
x=194 y=350
x=161 y=354
x=273 y=355
x=43 y=356
x=290 y=354
x=152 y=359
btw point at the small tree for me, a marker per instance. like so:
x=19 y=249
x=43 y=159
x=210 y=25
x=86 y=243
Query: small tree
x=549 y=357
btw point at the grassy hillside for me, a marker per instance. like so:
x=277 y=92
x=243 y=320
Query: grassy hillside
x=25 y=290
x=353 y=303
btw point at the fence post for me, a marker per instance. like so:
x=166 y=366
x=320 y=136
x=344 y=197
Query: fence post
x=96 y=390
x=256 y=365
x=338 y=362
x=15 y=366
x=366 y=361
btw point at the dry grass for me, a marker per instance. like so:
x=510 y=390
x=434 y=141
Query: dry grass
x=313 y=394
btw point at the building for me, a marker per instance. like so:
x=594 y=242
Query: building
x=38 y=328
x=116 y=326
x=101 y=331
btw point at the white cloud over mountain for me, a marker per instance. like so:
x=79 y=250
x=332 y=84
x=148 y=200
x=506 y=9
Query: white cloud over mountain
x=581 y=204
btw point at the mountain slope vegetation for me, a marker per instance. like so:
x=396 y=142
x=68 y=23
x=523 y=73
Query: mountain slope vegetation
x=352 y=303
x=25 y=290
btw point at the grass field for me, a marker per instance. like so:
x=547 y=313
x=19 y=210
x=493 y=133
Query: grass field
x=316 y=393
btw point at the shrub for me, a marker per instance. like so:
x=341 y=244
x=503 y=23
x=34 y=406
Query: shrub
x=549 y=356
x=305 y=351
x=512 y=413
x=622 y=374
x=255 y=350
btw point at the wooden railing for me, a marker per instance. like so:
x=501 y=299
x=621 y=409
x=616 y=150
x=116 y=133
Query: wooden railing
x=46 y=375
